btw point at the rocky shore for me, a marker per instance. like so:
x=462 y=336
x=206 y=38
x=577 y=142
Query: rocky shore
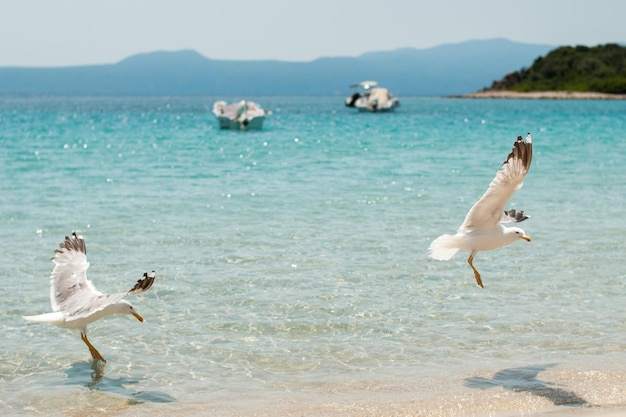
x=547 y=95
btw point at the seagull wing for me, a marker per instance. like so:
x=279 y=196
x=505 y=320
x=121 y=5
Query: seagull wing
x=69 y=286
x=488 y=211
x=96 y=302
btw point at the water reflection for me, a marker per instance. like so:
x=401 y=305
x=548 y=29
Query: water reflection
x=117 y=386
x=525 y=380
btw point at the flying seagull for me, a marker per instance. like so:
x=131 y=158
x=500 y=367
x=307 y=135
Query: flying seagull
x=483 y=226
x=74 y=299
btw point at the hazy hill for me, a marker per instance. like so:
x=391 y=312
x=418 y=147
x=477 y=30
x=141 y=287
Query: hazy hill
x=599 y=69
x=442 y=70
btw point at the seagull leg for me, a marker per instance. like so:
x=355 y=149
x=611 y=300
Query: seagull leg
x=94 y=352
x=476 y=274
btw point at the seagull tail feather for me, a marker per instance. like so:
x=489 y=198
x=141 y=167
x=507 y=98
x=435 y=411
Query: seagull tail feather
x=56 y=317
x=443 y=248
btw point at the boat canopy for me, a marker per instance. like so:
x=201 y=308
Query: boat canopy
x=366 y=84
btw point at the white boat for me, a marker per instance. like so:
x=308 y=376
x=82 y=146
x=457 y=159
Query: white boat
x=243 y=115
x=372 y=98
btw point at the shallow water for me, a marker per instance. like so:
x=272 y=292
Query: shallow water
x=292 y=268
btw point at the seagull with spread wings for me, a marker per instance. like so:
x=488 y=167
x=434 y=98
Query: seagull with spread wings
x=483 y=227
x=75 y=301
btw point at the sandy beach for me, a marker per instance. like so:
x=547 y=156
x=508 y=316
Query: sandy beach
x=587 y=412
x=545 y=95
x=498 y=404
x=558 y=392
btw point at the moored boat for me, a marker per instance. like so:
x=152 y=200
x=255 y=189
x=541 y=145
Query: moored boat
x=242 y=115
x=369 y=97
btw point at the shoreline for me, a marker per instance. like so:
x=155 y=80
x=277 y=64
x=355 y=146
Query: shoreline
x=542 y=95
x=593 y=388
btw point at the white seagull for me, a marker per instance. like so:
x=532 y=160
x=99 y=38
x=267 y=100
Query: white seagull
x=75 y=301
x=483 y=226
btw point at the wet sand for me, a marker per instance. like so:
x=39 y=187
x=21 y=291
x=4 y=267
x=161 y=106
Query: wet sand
x=545 y=95
x=591 y=388
x=375 y=406
x=586 y=412
x=557 y=392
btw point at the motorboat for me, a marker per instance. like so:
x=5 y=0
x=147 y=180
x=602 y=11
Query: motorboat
x=372 y=98
x=242 y=115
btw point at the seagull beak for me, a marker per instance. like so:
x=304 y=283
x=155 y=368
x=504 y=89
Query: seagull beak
x=138 y=317
x=526 y=238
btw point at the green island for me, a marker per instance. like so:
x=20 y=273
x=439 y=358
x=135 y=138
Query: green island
x=566 y=72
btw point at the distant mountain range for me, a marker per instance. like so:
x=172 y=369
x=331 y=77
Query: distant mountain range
x=447 y=69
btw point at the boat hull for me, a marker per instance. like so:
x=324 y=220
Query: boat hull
x=255 y=123
x=366 y=109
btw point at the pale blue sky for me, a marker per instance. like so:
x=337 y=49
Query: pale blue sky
x=77 y=32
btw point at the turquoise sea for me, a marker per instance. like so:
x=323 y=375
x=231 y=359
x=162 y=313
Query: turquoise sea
x=292 y=268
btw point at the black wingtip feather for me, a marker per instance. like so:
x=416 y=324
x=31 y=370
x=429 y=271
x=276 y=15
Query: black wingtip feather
x=75 y=243
x=522 y=150
x=516 y=216
x=143 y=284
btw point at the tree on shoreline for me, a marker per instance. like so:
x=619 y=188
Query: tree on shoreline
x=586 y=69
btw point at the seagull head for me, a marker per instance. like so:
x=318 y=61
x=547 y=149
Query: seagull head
x=517 y=233
x=127 y=308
